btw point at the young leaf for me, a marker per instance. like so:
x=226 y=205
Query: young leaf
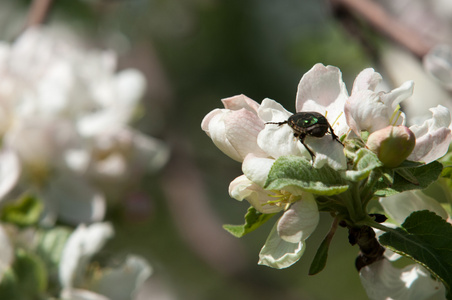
x=425 y=175
x=364 y=162
x=296 y=171
x=23 y=212
x=319 y=261
x=253 y=220
x=426 y=238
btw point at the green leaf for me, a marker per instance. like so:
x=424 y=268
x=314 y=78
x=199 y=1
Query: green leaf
x=425 y=175
x=364 y=162
x=253 y=220
x=31 y=274
x=426 y=238
x=319 y=261
x=297 y=171
x=50 y=246
x=26 y=211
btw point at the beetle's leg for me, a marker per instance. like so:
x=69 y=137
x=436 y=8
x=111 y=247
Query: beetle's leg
x=334 y=136
x=277 y=123
x=302 y=136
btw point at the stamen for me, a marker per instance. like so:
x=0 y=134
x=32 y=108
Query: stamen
x=337 y=118
x=284 y=199
x=396 y=112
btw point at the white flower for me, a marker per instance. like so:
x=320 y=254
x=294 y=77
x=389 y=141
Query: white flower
x=382 y=281
x=369 y=110
x=107 y=283
x=234 y=129
x=64 y=112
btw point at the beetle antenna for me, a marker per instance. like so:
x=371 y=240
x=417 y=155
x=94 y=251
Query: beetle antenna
x=276 y=123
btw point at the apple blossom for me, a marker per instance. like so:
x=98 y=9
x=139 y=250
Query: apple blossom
x=377 y=157
x=64 y=113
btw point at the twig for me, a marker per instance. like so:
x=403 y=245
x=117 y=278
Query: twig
x=376 y=16
x=38 y=12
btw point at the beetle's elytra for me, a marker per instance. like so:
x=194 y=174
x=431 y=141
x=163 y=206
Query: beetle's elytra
x=308 y=123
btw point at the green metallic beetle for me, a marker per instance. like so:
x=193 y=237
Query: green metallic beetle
x=308 y=123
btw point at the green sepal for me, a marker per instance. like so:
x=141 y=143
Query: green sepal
x=253 y=220
x=295 y=171
x=426 y=238
x=23 y=212
x=424 y=174
x=364 y=162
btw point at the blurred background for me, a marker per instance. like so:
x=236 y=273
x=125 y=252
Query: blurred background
x=193 y=53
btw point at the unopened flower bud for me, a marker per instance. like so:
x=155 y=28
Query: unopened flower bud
x=392 y=144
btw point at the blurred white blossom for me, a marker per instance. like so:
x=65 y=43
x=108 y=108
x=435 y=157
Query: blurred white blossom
x=64 y=113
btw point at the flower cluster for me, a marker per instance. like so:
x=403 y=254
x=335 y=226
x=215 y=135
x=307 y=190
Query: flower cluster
x=375 y=148
x=64 y=115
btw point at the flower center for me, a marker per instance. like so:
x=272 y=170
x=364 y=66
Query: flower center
x=283 y=199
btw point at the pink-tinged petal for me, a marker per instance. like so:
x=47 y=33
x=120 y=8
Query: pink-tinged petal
x=242 y=188
x=382 y=281
x=300 y=220
x=234 y=132
x=278 y=253
x=433 y=136
x=367 y=79
x=257 y=168
x=397 y=95
x=322 y=85
x=242 y=130
x=239 y=102
x=401 y=205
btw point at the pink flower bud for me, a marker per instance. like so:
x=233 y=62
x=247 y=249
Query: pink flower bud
x=392 y=144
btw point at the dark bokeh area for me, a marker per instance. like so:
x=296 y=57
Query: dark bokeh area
x=194 y=53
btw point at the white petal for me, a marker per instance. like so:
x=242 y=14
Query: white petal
x=6 y=252
x=432 y=137
x=79 y=294
x=256 y=169
x=367 y=79
x=438 y=62
x=322 y=90
x=75 y=199
x=243 y=188
x=327 y=151
x=382 y=281
x=278 y=253
x=401 y=205
x=83 y=243
x=300 y=220
x=122 y=282
x=322 y=85
x=272 y=111
x=279 y=140
x=10 y=170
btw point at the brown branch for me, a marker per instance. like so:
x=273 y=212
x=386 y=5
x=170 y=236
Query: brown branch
x=376 y=16
x=38 y=12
